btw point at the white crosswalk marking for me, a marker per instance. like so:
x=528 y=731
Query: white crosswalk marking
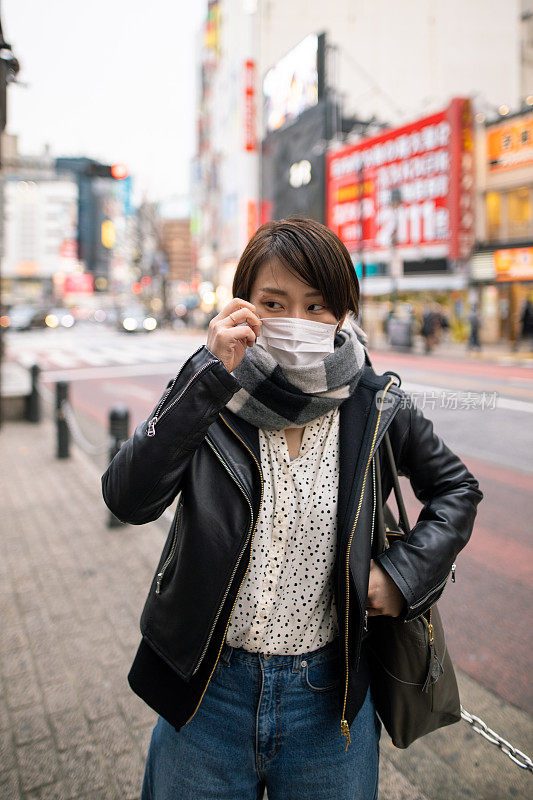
x=110 y=355
x=65 y=360
x=92 y=356
x=84 y=349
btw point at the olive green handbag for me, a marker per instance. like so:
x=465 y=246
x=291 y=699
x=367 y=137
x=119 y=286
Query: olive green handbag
x=412 y=680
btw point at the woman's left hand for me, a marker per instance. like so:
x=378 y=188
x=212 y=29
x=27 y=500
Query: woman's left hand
x=384 y=597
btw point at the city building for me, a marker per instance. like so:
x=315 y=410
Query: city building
x=225 y=170
x=104 y=205
x=502 y=266
x=403 y=204
x=381 y=67
x=176 y=245
x=39 y=212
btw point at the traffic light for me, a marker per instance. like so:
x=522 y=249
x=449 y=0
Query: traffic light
x=116 y=171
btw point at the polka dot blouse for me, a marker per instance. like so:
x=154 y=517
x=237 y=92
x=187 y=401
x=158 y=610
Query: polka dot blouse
x=286 y=603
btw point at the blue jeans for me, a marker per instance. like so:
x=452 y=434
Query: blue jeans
x=271 y=722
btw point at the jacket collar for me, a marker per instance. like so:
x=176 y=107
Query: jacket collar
x=358 y=415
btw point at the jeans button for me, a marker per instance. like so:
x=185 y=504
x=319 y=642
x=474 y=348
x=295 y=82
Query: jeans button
x=303 y=663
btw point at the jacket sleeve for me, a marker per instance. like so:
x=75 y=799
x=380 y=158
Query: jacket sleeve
x=420 y=565
x=144 y=476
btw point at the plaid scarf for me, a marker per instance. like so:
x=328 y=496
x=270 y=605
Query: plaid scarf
x=275 y=397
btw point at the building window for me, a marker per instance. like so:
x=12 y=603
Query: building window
x=494 y=215
x=519 y=213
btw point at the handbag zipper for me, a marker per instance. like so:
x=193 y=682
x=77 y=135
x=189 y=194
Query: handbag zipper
x=171 y=553
x=430 y=626
x=150 y=431
x=247 y=568
x=228 y=469
x=345 y=728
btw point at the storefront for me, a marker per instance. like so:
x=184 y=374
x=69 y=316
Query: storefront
x=502 y=267
x=409 y=296
x=502 y=280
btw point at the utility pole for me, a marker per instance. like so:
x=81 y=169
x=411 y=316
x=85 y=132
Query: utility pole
x=9 y=67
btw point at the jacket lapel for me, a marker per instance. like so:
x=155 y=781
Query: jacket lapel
x=357 y=418
x=224 y=438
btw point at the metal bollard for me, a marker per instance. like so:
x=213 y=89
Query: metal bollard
x=33 y=403
x=119 y=424
x=63 y=433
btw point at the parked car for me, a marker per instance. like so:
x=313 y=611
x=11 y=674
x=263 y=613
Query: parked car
x=24 y=317
x=134 y=319
x=59 y=318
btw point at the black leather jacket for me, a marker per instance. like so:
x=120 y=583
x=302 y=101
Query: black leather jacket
x=193 y=446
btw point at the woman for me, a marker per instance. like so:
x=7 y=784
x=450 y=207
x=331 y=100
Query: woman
x=253 y=630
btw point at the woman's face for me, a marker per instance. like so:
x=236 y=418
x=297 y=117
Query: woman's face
x=277 y=292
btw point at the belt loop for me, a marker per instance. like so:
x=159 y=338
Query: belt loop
x=296 y=659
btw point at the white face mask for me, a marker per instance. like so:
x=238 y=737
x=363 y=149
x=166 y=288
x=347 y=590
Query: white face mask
x=294 y=342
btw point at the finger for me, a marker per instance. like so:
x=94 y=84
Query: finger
x=238 y=302
x=240 y=316
x=373 y=612
x=232 y=307
x=243 y=333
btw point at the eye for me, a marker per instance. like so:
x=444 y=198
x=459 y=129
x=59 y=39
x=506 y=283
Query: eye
x=266 y=303
x=319 y=305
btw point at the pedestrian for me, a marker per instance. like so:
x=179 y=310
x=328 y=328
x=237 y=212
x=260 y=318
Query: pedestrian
x=390 y=315
x=253 y=631
x=474 y=321
x=526 y=324
x=428 y=329
x=444 y=319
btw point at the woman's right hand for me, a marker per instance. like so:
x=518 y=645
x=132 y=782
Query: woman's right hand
x=227 y=338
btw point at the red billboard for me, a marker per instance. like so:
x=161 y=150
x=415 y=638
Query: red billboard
x=411 y=187
x=79 y=283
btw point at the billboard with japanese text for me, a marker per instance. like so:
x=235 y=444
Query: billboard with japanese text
x=411 y=187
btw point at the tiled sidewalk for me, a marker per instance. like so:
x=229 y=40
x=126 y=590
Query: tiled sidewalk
x=71 y=594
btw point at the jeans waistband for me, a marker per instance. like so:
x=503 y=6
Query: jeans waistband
x=327 y=651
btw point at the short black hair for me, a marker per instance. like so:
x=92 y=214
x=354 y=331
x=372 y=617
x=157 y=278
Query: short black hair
x=309 y=249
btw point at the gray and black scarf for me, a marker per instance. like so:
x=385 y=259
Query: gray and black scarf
x=275 y=397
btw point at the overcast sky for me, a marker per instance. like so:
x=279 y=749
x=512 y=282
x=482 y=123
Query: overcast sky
x=110 y=79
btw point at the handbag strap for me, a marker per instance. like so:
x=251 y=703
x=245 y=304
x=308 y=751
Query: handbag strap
x=382 y=511
x=380 y=538
x=403 y=520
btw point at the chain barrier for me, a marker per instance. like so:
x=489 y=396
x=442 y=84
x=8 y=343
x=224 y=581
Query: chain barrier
x=78 y=435
x=46 y=394
x=519 y=758
x=73 y=425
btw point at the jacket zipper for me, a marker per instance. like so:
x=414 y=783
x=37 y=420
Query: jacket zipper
x=171 y=553
x=221 y=459
x=247 y=568
x=150 y=431
x=345 y=728
x=428 y=594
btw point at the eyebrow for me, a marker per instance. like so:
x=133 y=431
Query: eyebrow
x=272 y=290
